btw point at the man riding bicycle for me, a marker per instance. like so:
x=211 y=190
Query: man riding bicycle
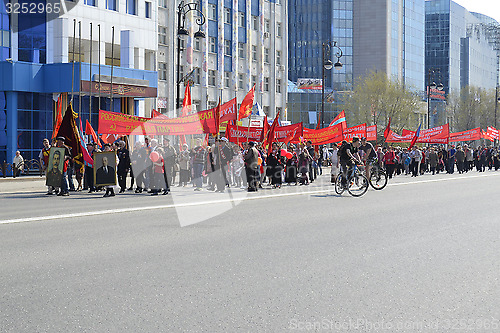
x=370 y=155
x=348 y=153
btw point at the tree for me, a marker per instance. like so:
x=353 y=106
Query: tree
x=376 y=98
x=472 y=107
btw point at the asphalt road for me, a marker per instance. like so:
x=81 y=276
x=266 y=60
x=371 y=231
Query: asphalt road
x=419 y=256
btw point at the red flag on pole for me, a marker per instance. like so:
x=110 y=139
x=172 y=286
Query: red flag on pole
x=155 y=113
x=59 y=117
x=415 y=137
x=217 y=118
x=340 y=119
x=186 y=102
x=387 y=129
x=270 y=137
x=90 y=131
x=247 y=104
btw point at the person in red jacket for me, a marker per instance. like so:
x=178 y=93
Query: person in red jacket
x=390 y=160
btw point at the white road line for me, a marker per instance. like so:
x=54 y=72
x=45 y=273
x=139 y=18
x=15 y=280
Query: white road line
x=211 y=202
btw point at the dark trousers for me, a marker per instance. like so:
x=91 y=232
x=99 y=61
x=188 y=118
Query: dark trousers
x=414 y=168
x=252 y=178
x=122 y=179
x=89 y=178
x=390 y=169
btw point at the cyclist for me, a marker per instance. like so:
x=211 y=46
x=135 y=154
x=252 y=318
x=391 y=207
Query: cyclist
x=370 y=155
x=348 y=153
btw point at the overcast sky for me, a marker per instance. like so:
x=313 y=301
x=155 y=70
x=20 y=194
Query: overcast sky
x=490 y=8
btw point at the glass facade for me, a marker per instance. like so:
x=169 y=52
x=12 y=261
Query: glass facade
x=4 y=33
x=311 y=23
x=32 y=36
x=414 y=44
x=3 y=127
x=34 y=122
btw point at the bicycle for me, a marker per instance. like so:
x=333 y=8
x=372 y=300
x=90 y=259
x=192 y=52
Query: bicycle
x=356 y=183
x=378 y=176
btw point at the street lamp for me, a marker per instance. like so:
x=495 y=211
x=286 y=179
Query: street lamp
x=183 y=9
x=431 y=86
x=328 y=64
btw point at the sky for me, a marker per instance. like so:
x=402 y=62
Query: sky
x=490 y=8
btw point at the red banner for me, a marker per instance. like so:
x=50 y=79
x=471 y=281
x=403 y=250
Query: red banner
x=394 y=137
x=325 y=135
x=238 y=134
x=486 y=136
x=290 y=133
x=492 y=132
x=359 y=131
x=371 y=133
x=123 y=124
x=228 y=111
x=470 y=135
x=439 y=134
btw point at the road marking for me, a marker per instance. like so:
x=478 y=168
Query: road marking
x=210 y=202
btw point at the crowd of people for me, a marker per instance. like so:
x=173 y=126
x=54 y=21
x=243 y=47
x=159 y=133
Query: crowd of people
x=155 y=166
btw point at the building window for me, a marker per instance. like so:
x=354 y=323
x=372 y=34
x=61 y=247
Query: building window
x=132 y=7
x=266 y=84
x=148 y=9
x=254 y=52
x=91 y=3
x=162 y=71
x=267 y=26
x=241 y=19
x=255 y=23
x=278 y=111
x=181 y=72
x=227 y=47
x=266 y=109
x=182 y=43
x=211 y=77
x=241 y=50
x=212 y=12
x=162 y=3
x=254 y=80
x=197 y=75
x=278 y=58
x=111 y=5
x=212 y=104
x=279 y=33
x=162 y=35
x=278 y=86
x=227 y=79
x=227 y=15
x=197 y=44
x=241 y=81
x=266 y=55
x=212 y=44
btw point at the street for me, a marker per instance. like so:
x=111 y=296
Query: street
x=419 y=256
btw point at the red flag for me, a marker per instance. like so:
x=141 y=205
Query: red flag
x=340 y=119
x=247 y=104
x=109 y=138
x=217 y=118
x=59 y=117
x=270 y=136
x=155 y=113
x=69 y=130
x=387 y=129
x=205 y=143
x=415 y=137
x=90 y=131
x=186 y=102
x=265 y=131
x=318 y=125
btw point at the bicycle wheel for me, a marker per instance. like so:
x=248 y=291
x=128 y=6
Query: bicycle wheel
x=339 y=187
x=357 y=185
x=378 y=180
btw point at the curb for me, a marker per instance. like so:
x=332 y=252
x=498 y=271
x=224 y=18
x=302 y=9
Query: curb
x=21 y=179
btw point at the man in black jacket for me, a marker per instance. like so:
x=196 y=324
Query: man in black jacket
x=123 y=166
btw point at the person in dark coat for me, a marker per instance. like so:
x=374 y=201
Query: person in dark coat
x=291 y=167
x=275 y=163
x=123 y=166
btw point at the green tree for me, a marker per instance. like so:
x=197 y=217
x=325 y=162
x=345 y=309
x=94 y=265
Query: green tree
x=472 y=107
x=375 y=98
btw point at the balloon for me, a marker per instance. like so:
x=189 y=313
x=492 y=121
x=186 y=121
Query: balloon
x=154 y=156
x=283 y=152
x=289 y=155
x=259 y=160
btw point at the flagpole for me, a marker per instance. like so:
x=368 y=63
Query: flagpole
x=99 y=61
x=73 y=60
x=90 y=77
x=112 y=64
x=80 y=67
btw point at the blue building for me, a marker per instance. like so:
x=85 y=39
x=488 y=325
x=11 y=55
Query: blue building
x=36 y=68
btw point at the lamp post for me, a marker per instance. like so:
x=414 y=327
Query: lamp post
x=430 y=86
x=328 y=64
x=183 y=9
